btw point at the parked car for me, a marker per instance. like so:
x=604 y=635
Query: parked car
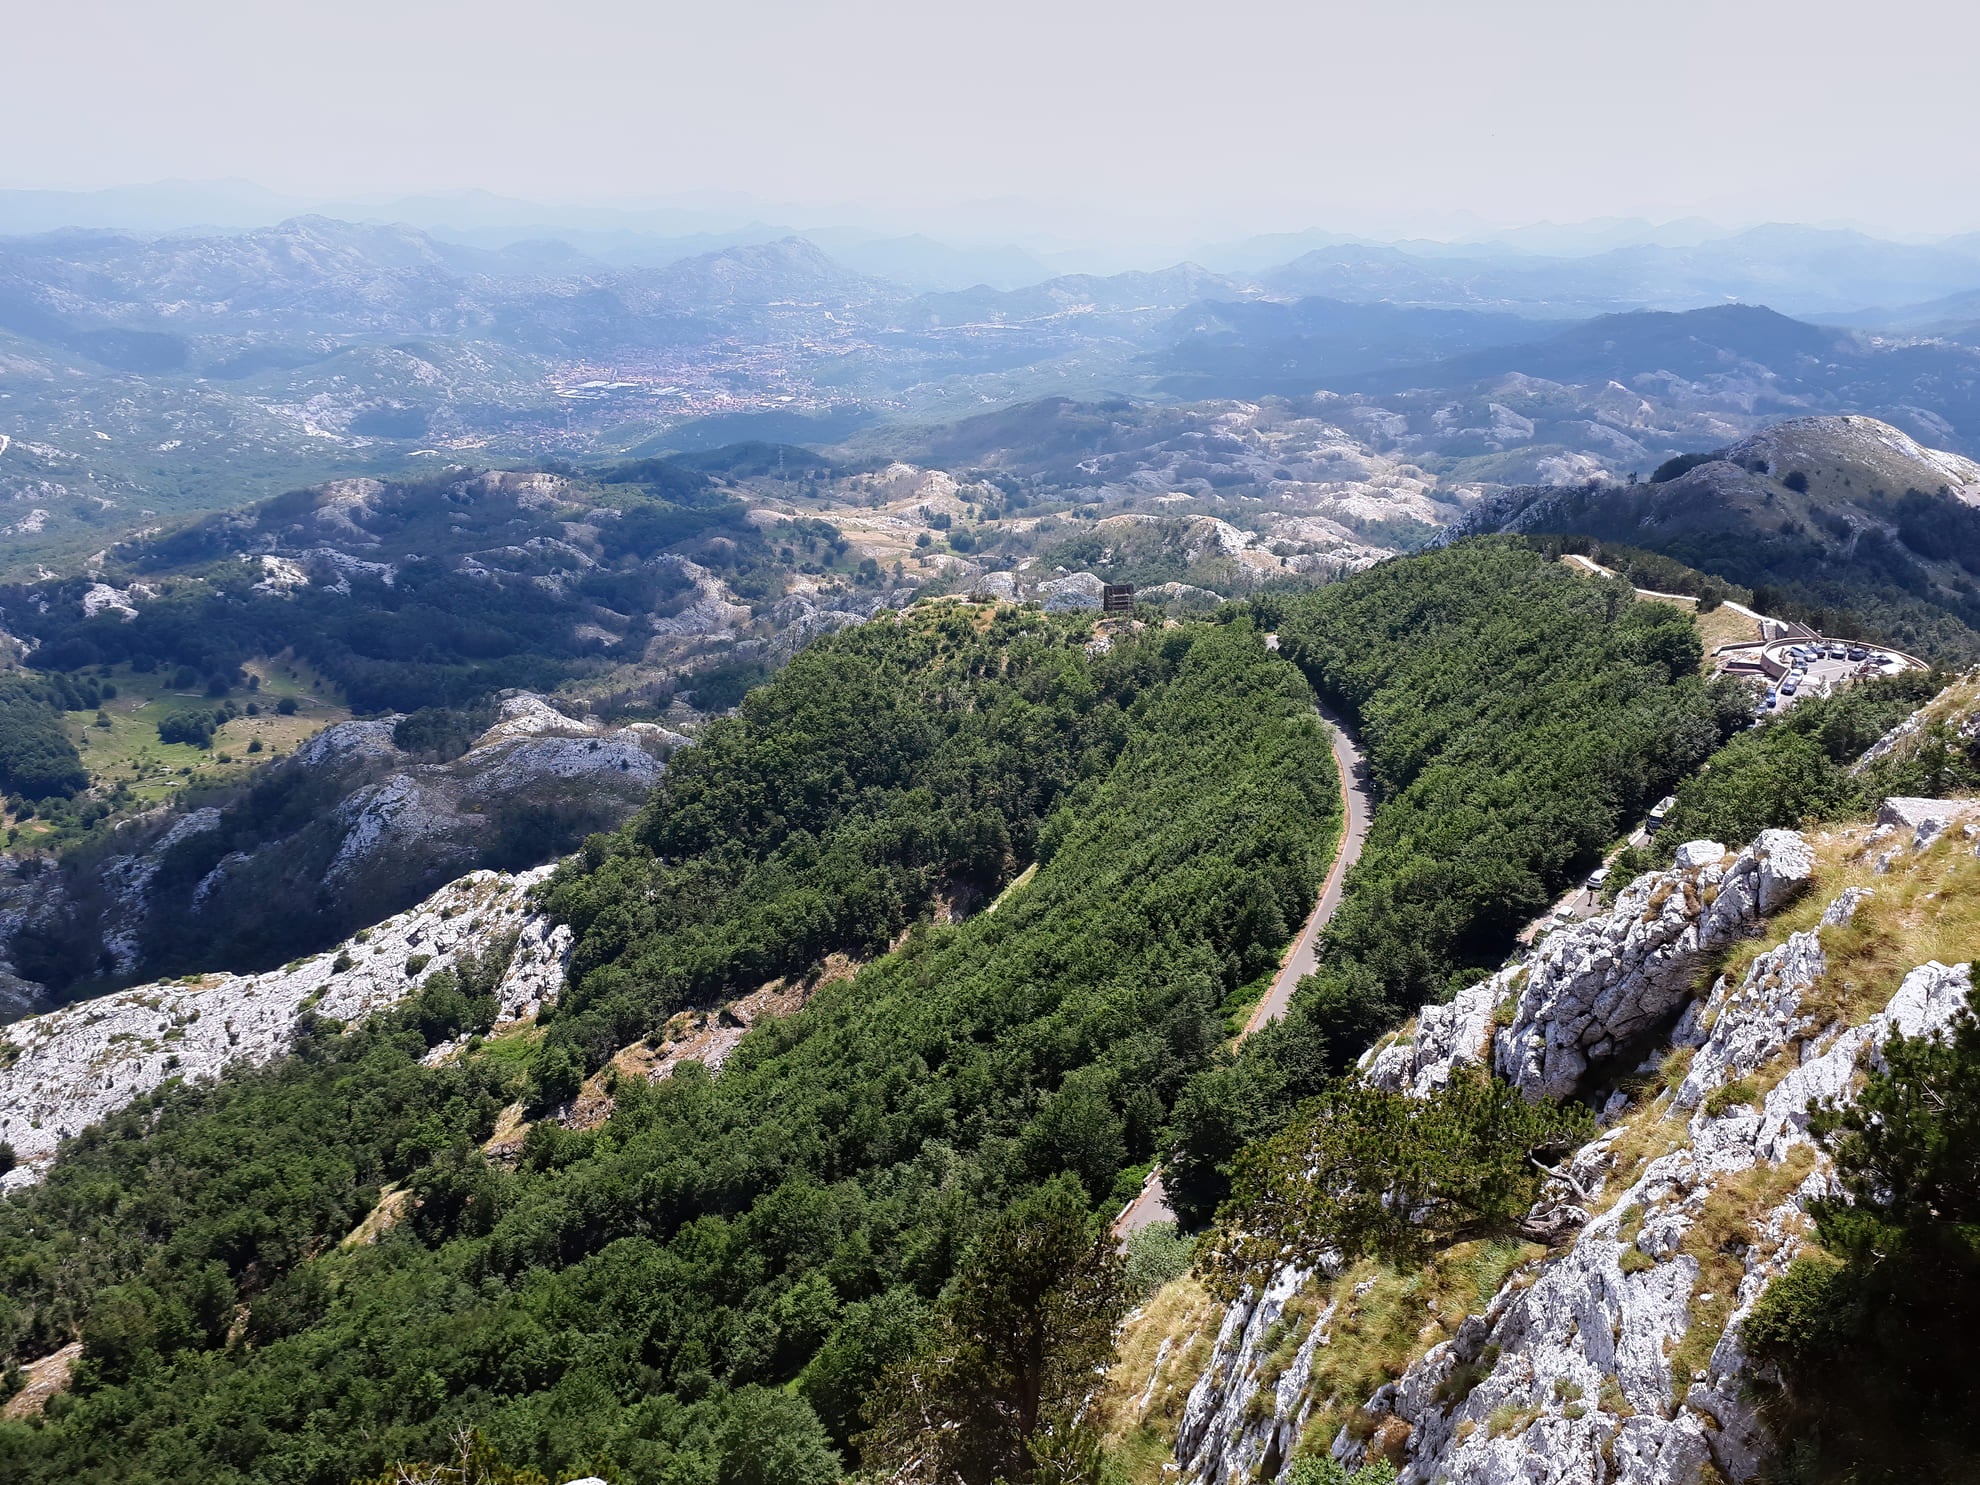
x=1856 y=652
x=1597 y=877
x=1790 y=686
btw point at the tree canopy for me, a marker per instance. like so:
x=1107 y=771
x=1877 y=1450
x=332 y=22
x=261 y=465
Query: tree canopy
x=643 y=1294
x=1873 y=1333
x=1516 y=716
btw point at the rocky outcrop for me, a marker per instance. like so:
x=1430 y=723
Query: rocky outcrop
x=803 y=616
x=1079 y=590
x=347 y=831
x=1616 y=1358
x=1594 y=991
x=712 y=610
x=70 y=1068
x=1957 y=709
x=1568 y=1378
x=1226 y=1435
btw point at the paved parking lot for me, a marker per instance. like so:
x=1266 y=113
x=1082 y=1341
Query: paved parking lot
x=1817 y=670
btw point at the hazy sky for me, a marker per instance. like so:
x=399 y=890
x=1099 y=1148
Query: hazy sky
x=1386 y=116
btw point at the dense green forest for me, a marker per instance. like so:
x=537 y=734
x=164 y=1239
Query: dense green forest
x=416 y=623
x=726 y=1261
x=1795 y=768
x=1516 y=717
x=37 y=760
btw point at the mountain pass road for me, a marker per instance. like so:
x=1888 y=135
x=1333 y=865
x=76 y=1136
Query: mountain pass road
x=1152 y=1204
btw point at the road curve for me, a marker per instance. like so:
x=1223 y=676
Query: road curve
x=1356 y=807
x=1151 y=1205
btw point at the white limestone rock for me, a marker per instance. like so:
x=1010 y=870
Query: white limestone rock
x=1222 y=1440
x=994 y=587
x=1079 y=590
x=1694 y=854
x=75 y=1066
x=1597 y=988
x=1754 y=1020
x=1582 y=1319
x=1925 y=819
x=1447 y=1037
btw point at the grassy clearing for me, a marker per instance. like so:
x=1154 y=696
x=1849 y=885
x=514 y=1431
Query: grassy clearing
x=512 y=1049
x=120 y=743
x=1240 y=1003
x=1725 y=626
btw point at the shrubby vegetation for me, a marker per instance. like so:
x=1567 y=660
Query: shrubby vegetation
x=439 y=734
x=1795 y=768
x=1514 y=716
x=1363 y=1173
x=644 y=1294
x=1872 y=1334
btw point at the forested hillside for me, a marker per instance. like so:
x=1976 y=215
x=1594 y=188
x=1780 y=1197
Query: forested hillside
x=1844 y=523
x=427 y=592
x=639 y=1298
x=1515 y=718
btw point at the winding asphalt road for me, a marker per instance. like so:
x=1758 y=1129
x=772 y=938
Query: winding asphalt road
x=1152 y=1205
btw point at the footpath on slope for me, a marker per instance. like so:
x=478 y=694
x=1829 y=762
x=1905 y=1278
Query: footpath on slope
x=1152 y=1204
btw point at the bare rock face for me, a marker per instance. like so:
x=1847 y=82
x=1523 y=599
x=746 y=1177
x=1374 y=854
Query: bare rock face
x=72 y=1067
x=1924 y=820
x=1594 y=991
x=1447 y=1037
x=1596 y=1326
x=802 y=616
x=1079 y=590
x=349 y=830
x=1223 y=1436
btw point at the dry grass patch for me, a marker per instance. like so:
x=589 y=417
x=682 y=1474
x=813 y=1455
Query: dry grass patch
x=1726 y=1227
x=1647 y=1134
x=1926 y=907
x=1725 y=626
x=1162 y=1351
x=393 y=1202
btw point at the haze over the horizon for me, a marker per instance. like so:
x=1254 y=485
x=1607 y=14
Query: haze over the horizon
x=1158 y=121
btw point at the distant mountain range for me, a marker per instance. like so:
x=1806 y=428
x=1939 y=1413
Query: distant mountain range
x=148 y=377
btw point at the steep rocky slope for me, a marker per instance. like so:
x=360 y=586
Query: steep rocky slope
x=63 y=1071
x=1607 y=1348
x=348 y=830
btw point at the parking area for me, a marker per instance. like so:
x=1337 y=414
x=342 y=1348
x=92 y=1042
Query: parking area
x=1800 y=668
